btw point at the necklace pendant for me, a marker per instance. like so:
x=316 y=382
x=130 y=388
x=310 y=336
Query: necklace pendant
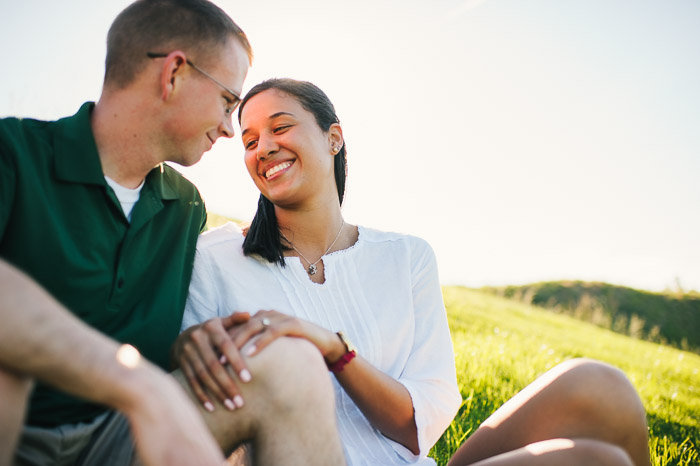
x=312 y=269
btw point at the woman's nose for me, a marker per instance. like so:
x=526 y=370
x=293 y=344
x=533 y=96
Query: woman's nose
x=266 y=147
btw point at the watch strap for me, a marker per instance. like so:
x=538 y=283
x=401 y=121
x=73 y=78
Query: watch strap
x=349 y=355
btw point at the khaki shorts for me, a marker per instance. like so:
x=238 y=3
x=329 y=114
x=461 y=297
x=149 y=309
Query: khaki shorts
x=105 y=440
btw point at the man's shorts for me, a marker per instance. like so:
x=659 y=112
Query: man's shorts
x=106 y=440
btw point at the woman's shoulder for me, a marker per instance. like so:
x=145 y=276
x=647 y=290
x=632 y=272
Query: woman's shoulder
x=414 y=249
x=226 y=235
x=372 y=235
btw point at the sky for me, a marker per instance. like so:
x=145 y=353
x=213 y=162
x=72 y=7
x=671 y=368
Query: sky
x=526 y=141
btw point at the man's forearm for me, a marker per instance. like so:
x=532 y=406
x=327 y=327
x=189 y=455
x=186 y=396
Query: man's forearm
x=40 y=339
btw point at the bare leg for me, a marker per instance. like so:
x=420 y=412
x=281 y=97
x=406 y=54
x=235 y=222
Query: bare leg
x=555 y=452
x=579 y=399
x=14 y=391
x=289 y=411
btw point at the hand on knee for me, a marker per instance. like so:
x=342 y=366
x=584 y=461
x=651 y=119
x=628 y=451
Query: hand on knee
x=290 y=370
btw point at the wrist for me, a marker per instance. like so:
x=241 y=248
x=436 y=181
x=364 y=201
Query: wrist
x=135 y=381
x=347 y=354
x=336 y=349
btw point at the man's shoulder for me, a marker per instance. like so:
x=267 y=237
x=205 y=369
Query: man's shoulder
x=178 y=182
x=15 y=123
x=175 y=176
x=25 y=142
x=17 y=130
x=32 y=134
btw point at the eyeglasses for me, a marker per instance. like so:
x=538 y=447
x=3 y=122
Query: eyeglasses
x=232 y=103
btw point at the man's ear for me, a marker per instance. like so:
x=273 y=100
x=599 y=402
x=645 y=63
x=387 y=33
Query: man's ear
x=173 y=66
x=335 y=136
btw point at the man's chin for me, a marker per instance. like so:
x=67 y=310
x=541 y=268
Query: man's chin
x=187 y=161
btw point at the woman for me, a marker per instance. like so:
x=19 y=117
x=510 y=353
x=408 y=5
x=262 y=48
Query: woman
x=380 y=290
x=331 y=282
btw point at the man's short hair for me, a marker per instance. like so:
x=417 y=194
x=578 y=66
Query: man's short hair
x=197 y=27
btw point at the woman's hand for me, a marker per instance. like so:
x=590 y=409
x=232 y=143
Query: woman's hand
x=201 y=352
x=266 y=326
x=385 y=401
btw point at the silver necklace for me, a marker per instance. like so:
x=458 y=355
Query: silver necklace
x=312 y=266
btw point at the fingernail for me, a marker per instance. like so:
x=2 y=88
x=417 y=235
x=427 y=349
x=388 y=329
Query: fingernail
x=208 y=406
x=250 y=350
x=229 y=404
x=222 y=359
x=239 y=400
x=245 y=375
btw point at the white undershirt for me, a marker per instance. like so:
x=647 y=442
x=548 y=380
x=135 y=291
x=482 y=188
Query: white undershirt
x=127 y=196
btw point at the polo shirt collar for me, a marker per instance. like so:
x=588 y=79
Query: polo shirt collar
x=77 y=159
x=162 y=183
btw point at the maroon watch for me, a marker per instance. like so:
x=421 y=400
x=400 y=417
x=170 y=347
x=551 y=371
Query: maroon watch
x=350 y=353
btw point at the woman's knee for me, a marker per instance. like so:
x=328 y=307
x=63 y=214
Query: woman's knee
x=594 y=386
x=590 y=372
x=597 y=377
x=601 y=453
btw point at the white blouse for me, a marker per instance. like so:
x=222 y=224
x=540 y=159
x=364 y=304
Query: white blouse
x=383 y=293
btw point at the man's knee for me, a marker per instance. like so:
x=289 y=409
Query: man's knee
x=290 y=369
x=290 y=388
x=14 y=389
x=14 y=393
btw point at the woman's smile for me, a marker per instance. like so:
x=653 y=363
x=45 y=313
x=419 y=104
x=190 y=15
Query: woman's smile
x=278 y=169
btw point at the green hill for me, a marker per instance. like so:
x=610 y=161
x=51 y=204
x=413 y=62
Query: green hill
x=502 y=345
x=669 y=318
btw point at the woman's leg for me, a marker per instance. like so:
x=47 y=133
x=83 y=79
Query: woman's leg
x=578 y=399
x=579 y=452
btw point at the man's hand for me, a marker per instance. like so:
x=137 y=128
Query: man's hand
x=40 y=339
x=202 y=352
x=165 y=424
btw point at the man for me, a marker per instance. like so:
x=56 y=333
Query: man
x=95 y=229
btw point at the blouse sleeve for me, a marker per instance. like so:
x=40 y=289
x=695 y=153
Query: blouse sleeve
x=429 y=374
x=202 y=299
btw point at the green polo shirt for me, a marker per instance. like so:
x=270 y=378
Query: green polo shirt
x=62 y=224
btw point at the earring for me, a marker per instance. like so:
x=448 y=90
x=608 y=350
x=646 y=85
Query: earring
x=334 y=149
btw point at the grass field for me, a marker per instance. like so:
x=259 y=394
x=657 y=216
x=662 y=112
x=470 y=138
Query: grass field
x=502 y=345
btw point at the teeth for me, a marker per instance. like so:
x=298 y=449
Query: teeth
x=277 y=168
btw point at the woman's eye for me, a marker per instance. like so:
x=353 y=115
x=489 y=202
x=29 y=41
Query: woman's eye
x=280 y=129
x=250 y=144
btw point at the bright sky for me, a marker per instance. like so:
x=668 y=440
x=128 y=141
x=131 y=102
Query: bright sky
x=526 y=141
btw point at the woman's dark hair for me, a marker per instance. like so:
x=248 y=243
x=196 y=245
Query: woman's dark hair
x=264 y=237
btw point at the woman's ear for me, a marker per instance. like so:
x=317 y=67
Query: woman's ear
x=173 y=66
x=335 y=138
